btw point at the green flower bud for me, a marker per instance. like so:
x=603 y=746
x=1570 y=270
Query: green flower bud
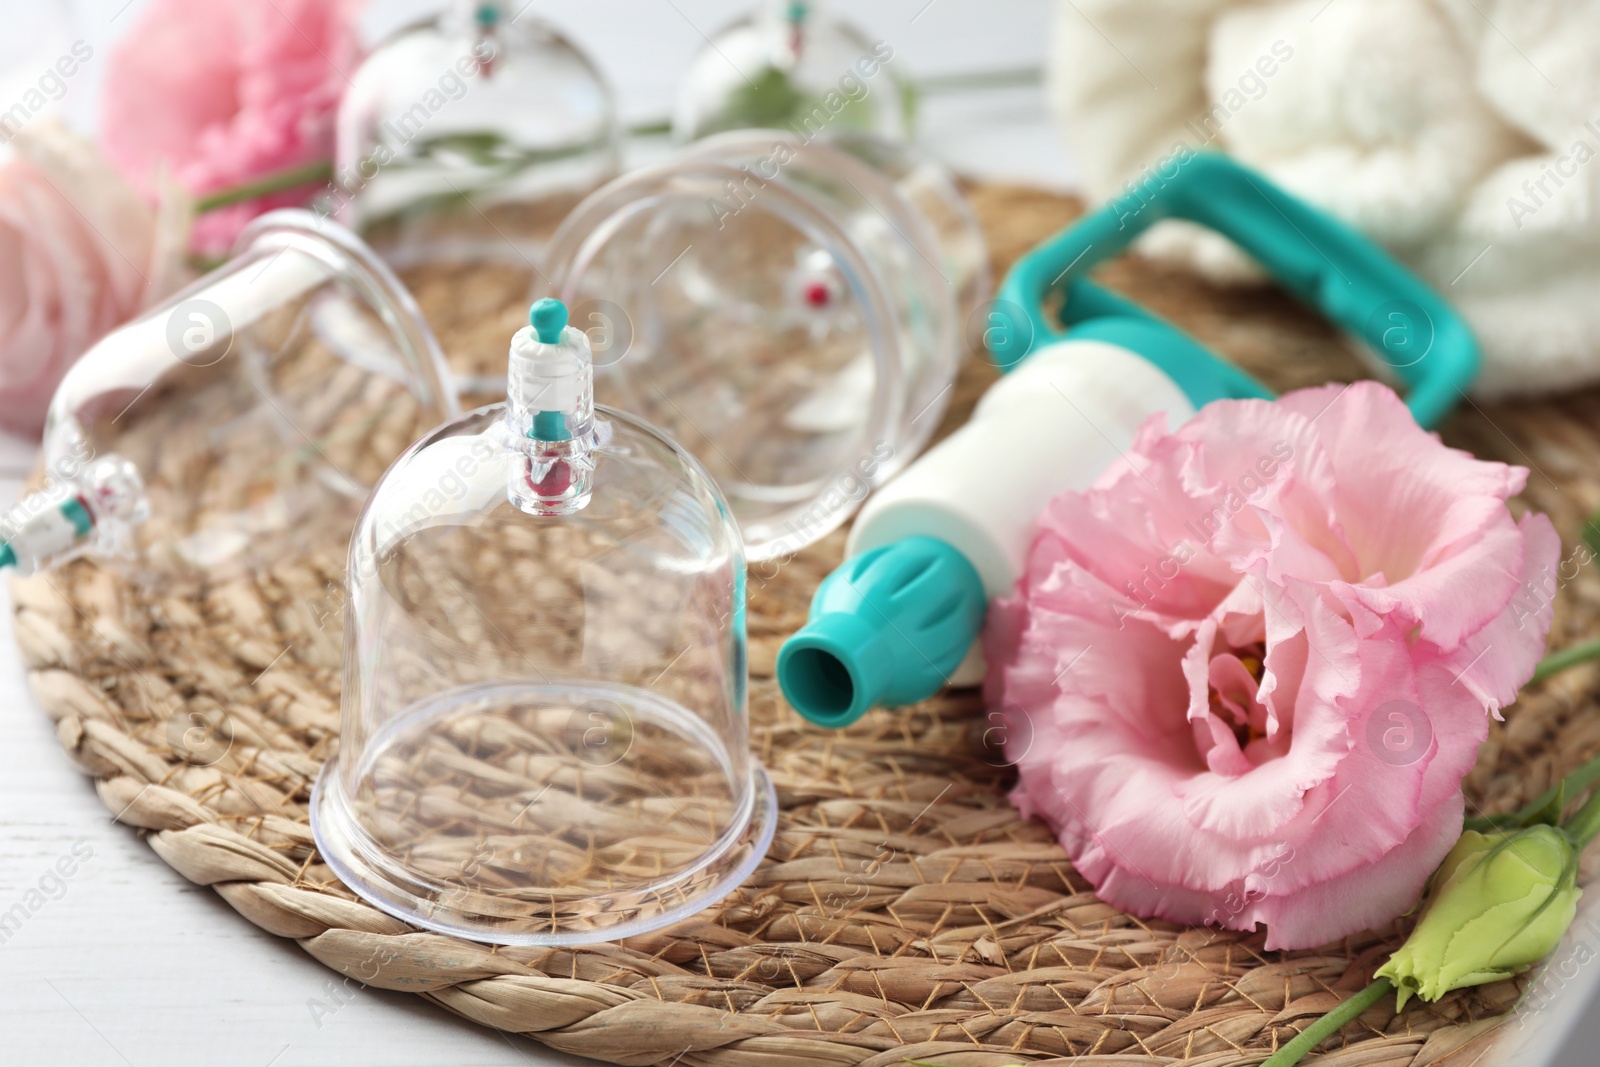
x=1499 y=903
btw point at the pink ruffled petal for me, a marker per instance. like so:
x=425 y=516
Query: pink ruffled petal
x=1494 y=663
x=1365 y=898
x=1422 y=515
x=78 y=251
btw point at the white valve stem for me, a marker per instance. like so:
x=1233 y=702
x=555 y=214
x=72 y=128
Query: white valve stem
x=550 y=412
x=92 y=512
x=45 y=527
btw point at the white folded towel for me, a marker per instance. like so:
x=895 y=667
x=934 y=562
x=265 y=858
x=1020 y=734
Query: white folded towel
x=1463 y=135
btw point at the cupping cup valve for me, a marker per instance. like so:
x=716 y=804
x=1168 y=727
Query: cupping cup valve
x=899 y=619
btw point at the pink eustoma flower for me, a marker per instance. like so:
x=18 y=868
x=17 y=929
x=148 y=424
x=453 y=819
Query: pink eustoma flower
x=223 y=93
x=1244 y=675
x=80 y=253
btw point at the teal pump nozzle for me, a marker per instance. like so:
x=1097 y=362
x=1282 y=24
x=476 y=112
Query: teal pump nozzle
x=888 y=627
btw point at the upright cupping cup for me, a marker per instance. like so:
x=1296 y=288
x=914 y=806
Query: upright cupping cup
x=544 y=726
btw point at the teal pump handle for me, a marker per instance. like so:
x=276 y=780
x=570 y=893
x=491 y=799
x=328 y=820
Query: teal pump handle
x=1319 y=259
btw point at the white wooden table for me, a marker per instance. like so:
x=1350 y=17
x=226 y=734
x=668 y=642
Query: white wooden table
x=123 y=962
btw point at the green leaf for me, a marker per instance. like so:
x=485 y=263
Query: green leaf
x=484 y=148
x=1591 y=533
x=770 y=100
x=773 y=101
x=1550 y=813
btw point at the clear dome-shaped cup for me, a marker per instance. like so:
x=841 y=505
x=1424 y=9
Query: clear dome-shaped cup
x=791 y=312
x=544 y=725
x=791 y=64
x=243 y=421
x=467 y=137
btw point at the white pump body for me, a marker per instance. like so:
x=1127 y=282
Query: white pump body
x=1056 y=422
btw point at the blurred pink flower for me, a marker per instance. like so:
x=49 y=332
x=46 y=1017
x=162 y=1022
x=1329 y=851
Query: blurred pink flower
x=226 y=91
x=1294 y=619
x=80 y=253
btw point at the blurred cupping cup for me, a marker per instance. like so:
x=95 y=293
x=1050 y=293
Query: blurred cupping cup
x=794 y=313
x=467 y=136
x=792 y=64
x=239 y=423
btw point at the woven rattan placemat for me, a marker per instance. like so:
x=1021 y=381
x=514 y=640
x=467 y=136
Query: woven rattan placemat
x=904 y=909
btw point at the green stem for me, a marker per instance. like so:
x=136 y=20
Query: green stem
x=1580 y=780
x=980 y=79
x=1317 y=1032
x=322 y=170
x=1591 y=533
x=653 y=128
x=1585 y=822
x=946 y=83
x=1577 y=783
x=1556 y=662
x=267 y=184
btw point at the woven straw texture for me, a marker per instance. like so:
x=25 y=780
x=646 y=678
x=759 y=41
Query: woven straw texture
x=904 y=909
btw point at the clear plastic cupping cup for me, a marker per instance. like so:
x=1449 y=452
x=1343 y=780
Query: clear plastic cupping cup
x=544 y=726
x=792 y=62
x=790 y=307
x=240 y=423
x=466 y=137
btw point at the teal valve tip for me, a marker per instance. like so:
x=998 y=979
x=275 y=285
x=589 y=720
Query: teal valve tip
x=77 y=513
x=887 y=628
x=549 y=426
x=8 y=555
x=548 y=317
